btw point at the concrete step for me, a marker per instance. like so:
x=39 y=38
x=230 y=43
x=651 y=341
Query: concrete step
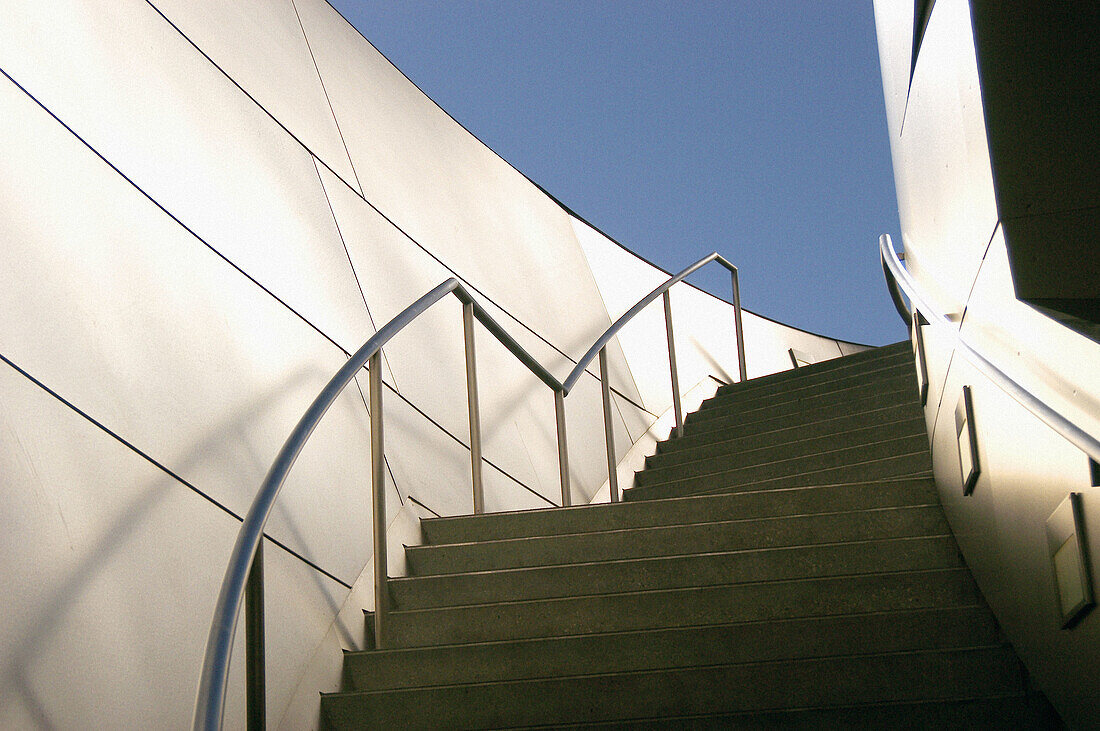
x=1028 y=711
x=772 y=463
x=661 y=573
x=681 y=607
x=815 y=683
x=807 y=386
x=677 y=540
x=894 y=378
x=650 y=649
x=856 y=400
x=896 y=352
x=914 y=465
x=677 y=511
x=803 y=377
x=687 y=463
x=763 y=434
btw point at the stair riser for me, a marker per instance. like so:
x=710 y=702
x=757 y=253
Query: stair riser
x=898 y=352
x=805 y=387
x=668 y=648
x=917 y=464
x=819 y=682
x=850 y=457
x=1027 y=710
x=801 y=378
x=680 y=608
x=892 y=379
x=662 y=573
x=793 y=413
x=717 y=443
x=663 y=468
x=677 y=540
x=640 y=514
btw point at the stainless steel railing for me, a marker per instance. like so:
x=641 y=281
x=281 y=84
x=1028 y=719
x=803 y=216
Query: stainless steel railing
x=897 y=276
x=244 y=575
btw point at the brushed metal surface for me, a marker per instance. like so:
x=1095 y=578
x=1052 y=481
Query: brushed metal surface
x=109 y=566
x=150 y=332
x=275 y=66
x=165 y=117
x=451 y=193
x=941 y=162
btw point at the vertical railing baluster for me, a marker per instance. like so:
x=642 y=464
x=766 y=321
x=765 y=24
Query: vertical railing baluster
x=737 y=325
x=608 y=429
x=378 y=495
x=475 y=411
x=563 y=448
x=672 y=366
x=255 y=664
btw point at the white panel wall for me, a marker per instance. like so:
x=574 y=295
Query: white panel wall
x=189 y=252
x=956 y=251
x=703 y=326
x=275 y=66
x=944 y=165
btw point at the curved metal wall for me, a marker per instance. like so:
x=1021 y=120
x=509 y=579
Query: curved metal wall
x=205 y=206
x=956 y=250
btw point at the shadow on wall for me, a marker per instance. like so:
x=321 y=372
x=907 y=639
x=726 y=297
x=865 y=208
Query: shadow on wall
x=227 y=437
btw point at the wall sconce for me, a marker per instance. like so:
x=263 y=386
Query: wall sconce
x=967 y=438
x=917 y=336
x=1069 y=559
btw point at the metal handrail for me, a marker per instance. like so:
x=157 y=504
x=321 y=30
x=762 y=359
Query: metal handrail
x=600 y=348
x=212 y=685
x=244 y=575
x=604 y=339
x=1077 y=436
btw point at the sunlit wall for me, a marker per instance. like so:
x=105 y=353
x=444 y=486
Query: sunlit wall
x=954 y=237
x=204 y=208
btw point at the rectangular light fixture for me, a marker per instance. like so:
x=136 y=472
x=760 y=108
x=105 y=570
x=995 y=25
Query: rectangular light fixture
x=967 y=437
x=917 y=336
x=1069 y=560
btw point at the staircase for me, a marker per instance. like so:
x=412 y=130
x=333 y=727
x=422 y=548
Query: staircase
x=785 y=563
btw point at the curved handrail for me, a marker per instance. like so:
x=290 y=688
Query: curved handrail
x=892 y=286
x=210 y=700
x=212 y=684
x=604 y=339
x=1077 y=436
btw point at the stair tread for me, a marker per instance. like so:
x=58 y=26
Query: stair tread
x=824 y=383
x=895 y=381
x=865 y=437
x=758 y=600
x=837 y=425
x=675 y=510
x=688 y=570
x=951 y=627
x=784 y=557
x=666 y=540
x=786 y=472
x=928 y=675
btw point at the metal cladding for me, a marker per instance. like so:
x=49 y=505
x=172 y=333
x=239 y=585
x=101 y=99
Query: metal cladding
x=1031 y=414
x=206 y=208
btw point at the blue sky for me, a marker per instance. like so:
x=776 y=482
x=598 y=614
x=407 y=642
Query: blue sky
x=756 y=129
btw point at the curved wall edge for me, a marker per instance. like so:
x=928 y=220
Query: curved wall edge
x=957 y=249
x=206 y=207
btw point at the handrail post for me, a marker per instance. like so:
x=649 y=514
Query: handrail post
x=608 y=429
x=563 y=447
x=737 y=325
x=255 y=670
x=672 y=366
x=378 y=495
x=475 y=412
